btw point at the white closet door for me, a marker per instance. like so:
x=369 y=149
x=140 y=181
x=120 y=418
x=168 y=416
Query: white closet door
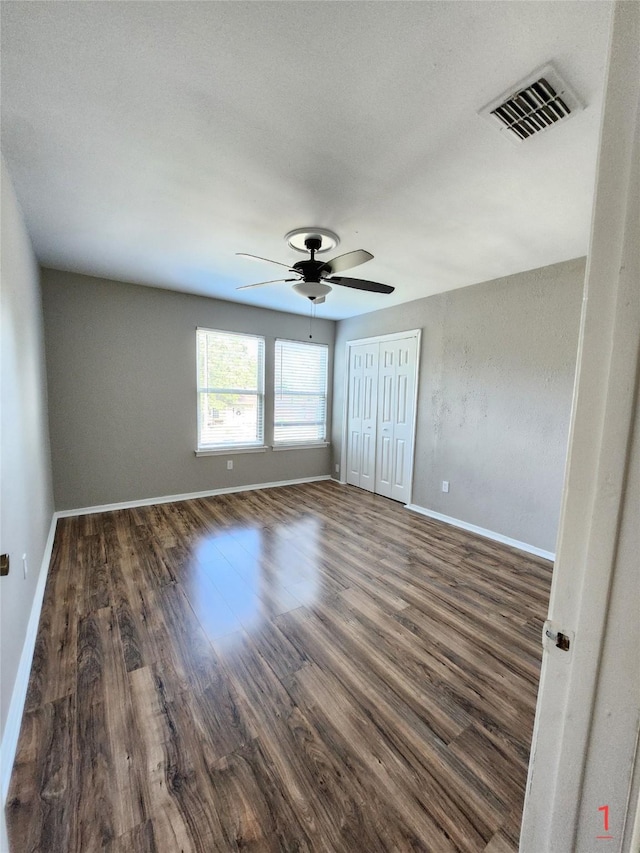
x=387 y=388
x=354 y=420
x=369 y=417
x=361 y=427
x=404 y=418
x=394 y=456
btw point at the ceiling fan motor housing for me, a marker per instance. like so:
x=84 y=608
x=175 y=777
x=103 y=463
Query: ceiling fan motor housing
x=310 y=270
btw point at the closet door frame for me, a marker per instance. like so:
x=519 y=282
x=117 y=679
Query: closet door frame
x=393 y=336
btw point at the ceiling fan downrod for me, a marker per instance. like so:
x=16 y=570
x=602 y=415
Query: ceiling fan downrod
x=310 y=269
x=313 y=245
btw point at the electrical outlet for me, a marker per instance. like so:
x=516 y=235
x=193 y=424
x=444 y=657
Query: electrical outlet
x=24 y=564
x=229 y=464
x=337 y=469
x=445 y=485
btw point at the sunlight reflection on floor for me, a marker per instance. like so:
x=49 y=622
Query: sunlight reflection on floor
x=240 y=577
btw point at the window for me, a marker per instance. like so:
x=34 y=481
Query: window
x=300 y=405
x=230 y=390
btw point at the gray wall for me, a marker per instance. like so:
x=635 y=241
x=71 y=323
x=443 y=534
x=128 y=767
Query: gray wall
x=26 y=506
x=121 y=365
x=496 y=380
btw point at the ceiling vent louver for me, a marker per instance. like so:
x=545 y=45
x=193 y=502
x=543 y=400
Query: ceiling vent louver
x=533 y=106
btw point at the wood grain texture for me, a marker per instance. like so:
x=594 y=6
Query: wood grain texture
x=310 y=668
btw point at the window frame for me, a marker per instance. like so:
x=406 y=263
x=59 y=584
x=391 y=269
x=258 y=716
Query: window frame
x=303 y=444
x=241 y=446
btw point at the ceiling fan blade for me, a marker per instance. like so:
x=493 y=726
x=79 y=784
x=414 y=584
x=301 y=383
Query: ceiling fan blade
x=360 y=284
x=258 y=258
x=260 y=283
x=347 y=261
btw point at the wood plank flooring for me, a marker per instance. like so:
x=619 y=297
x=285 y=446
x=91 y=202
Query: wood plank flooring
x=309 y=668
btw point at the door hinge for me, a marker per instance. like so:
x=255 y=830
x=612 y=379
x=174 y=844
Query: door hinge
x=560 y=638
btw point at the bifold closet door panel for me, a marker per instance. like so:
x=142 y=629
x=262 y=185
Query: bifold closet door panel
x=363 y=405
x=396 y=401
x=406 y=358
x=386 y=400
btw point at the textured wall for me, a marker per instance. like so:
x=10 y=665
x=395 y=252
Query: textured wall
x=26 y=505
x=121 y=366
x=496 y=380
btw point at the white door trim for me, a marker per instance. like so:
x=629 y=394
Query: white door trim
x=393 y=336
x=583 y=718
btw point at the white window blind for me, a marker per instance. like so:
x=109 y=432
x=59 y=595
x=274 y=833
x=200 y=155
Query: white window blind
x=230 y=390
x=300 y=405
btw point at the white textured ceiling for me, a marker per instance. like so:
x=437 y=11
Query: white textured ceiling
x=150 y=141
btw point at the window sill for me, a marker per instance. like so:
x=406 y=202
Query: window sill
x=302 y=446
x=232 y=450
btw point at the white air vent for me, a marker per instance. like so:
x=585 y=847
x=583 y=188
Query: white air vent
x=533 y=106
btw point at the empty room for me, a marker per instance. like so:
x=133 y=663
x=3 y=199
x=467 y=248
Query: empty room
x=320 y=449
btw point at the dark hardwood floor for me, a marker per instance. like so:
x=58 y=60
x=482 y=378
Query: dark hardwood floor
x=310 y=668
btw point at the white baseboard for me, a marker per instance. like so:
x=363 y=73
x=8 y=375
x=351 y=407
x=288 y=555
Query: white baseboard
x=21 y=684
x=168 y=499
x=481 y=531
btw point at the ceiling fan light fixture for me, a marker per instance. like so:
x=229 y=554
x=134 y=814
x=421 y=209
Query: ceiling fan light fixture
x=312 y=289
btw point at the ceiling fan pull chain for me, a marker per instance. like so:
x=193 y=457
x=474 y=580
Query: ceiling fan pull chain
x=312 y=315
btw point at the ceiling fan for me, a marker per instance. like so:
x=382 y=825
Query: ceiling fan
x=314 y=279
